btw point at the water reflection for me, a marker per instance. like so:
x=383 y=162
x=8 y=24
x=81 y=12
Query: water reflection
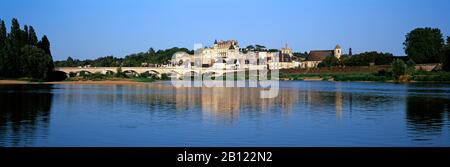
x=324 y=112
x=228 y=103
x=24 y=113
x=426 y=116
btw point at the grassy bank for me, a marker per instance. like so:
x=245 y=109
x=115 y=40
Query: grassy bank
x=337 y=77
x=116 y=77
x=426 y=76
x=376 y=74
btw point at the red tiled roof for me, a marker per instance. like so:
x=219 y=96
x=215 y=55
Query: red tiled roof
x=319 y=55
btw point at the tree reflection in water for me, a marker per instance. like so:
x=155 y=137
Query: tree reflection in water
x=347 y=112
x=24 y=113
x=425 y=116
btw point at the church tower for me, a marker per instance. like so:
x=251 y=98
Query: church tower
x=337 y=51
x=286 y=50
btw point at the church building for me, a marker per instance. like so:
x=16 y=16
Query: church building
x=315 y=57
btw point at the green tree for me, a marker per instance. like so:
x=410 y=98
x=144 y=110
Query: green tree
x=15 y=41
x=44 y=44
x=411 y=66
x=3 y=33
x=120 y=73
x=25 y=34
x=364 y=59
x=19 y=54
x=70 y=62
x=398 y=68
x=273 y=50
x=32 y=38
x=446 y=54
x=259 y=47
x=3 y=39
x=16 y=36
x=3 y=63
x=151 y=51
x=330 y=61
x=423 y=45
x=36 y=62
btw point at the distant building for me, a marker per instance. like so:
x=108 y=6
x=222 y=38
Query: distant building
x=286 y=54
x=224 y=48
x=226 y=54
x=315 y=57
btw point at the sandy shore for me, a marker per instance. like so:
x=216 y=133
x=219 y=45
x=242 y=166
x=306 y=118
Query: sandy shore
x=304 y=79
x=313 y=79
x=13 y=82
x=106 y=82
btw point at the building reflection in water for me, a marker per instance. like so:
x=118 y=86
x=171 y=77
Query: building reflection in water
x=216 y=104
x=226 y=103
x=24 y=113
x=222 y=103
x=425 y=116
x=25 y=109
x=338 y=100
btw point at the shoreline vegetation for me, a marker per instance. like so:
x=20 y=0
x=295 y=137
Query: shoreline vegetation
x=381 y=76
x=382 y=73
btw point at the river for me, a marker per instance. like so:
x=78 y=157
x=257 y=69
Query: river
x=305 y=113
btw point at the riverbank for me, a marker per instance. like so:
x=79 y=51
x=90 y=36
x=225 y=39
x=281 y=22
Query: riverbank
x=285 y=75
x=370 y=74
x=87 y=82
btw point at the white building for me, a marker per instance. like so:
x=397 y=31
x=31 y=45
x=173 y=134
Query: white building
x=226 y=55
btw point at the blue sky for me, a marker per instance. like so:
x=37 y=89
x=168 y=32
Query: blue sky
x=94 y=28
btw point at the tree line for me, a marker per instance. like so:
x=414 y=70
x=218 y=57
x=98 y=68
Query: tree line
x=22 y=54
x=148 y=58
x=422 y=46
x=361 y=59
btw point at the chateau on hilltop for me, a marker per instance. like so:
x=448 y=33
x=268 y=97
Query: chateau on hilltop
x=228 y=55
x=224 y=48
x=222 y=57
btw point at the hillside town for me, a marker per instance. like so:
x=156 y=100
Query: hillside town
x=228 y=54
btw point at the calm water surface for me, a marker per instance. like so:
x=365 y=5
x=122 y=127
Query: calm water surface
x=304 y=114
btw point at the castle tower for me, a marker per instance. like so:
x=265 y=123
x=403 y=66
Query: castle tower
x=337 y=51
x=286 y=50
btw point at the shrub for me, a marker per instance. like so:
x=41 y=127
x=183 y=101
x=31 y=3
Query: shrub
x=95 y=76
x=398 y=68
x=411 y=66
x=426 y=76
x=120 y=73
x=383 y=72
x=360 y=77
x=164 y=77
x=330 y=61
x=446 y=57
x=148 y=75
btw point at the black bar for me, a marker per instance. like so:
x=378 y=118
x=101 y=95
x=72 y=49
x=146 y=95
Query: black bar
x=170 y=155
